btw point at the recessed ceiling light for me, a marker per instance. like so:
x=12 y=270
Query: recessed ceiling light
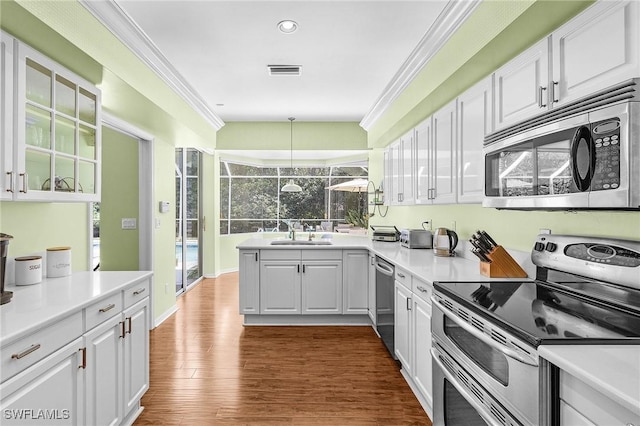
x=287 y=26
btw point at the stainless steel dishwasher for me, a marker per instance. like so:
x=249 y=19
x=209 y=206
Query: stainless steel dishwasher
x=384 y=302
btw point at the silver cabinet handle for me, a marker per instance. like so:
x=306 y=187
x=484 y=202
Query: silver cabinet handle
x=481 y=336
x=553 y=92
x=401 y=275
x=122 y=334
x=10 y=186
x=139 y=291
x=26 y=352
x=84 y=358
x=129 y=319
x=408 y=303
x=25 y=179
x=422 y=289
x=469 y=398
x=107 y=308
x=540 y=94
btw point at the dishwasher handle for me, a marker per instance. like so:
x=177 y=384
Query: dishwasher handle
x=384 y=269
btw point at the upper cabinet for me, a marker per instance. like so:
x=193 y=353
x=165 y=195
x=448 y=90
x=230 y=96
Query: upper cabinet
x=6 y=117
x=56 y=131
x=474 y=123
x=595 y=50
x=399 y=171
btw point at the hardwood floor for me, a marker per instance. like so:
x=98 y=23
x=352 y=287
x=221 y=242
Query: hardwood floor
x=206 y=368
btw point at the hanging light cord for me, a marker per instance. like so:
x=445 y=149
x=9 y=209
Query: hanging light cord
x=291 y=139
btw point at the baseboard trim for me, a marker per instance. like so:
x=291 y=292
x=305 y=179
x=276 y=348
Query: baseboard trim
x=285 y=320
x=165 y=315
x=217 y=275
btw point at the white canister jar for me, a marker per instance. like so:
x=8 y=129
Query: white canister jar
x=28 y=270
x=58 y=262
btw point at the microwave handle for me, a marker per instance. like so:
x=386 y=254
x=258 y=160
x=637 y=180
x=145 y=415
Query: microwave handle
x=483 y=337
x=582 y=135
x=482 y=411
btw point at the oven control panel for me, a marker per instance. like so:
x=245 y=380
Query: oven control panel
x=611 y=260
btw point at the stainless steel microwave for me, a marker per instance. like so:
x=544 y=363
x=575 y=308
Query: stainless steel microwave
x=582 y=156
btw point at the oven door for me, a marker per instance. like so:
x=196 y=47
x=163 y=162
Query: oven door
x=458 y=399
x=502 y=364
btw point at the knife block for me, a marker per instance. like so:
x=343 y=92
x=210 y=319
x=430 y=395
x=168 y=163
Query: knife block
x=502 y=265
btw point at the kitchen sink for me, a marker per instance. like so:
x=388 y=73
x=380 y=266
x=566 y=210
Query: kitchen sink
x=301 y=243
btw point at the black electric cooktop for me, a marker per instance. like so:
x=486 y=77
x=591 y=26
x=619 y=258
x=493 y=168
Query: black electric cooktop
x=571 y=311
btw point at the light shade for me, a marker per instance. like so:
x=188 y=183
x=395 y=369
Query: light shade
x=291 y=187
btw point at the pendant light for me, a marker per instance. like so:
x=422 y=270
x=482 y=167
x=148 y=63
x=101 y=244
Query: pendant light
x=290 y=186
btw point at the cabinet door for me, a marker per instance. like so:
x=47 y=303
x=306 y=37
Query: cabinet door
x=395 y=164
x=423 y=146
x=371 y=302
x=53 y=387
x=598 y=48
x=403 y=325
x=322 y=287
x=474 y=123
x=421 y=337
x=104 y=373
x=136 y=354
x=444 y=154
x=249 y=282
x=407 y=168
x=280 y=287
x=58 y=131
x=521 y=86
x=387 y=179
x=6 y=117
x=355 y=282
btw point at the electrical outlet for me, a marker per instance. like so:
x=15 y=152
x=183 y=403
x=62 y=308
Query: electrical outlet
x=545 y=231
x=129 y=223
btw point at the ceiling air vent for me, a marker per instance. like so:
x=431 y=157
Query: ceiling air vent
x=285 y=69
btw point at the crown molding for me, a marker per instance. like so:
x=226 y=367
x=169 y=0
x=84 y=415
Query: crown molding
x=454 y=14
x=120 y=24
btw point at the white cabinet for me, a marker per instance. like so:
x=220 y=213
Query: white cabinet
x=249 y=276
x=400 y=171
x=403 y=325
x=424 y=161
x=598 y=48
x=581 y=404
x=444 y=155
x=6 y=117
x=371 y=298
x=280 y=287
x=136 y=356
x=300 y=282
x=355 y=281
x=53 y=125
x=521 y=86
x=421 y=339
x=52 y=389
x=474 y=123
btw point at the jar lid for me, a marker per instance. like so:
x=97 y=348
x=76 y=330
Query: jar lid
x=5 y=237
x=25 y=258
x=58 y=248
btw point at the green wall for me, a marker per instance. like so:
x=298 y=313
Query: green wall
x=119 y=248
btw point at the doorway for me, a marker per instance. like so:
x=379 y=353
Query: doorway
x=188 y=212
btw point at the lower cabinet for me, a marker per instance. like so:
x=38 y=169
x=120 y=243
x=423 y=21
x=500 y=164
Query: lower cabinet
x=371 y=297
x=50 y=391
x=322 y=287
x=249 y=276
x=280 y=287
x=403 y=325
x=421 y=338
x=355 y=281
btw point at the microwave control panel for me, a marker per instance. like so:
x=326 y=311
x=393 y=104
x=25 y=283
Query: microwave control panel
x=606 y=137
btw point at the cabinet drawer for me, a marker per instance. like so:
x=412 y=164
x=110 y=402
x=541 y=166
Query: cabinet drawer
x=593 y=405
x=422 y=289
x=102 y=310
x=321 y=254
x=284 y=254
x=20 y=355
x=136 y=293
x=403 y=277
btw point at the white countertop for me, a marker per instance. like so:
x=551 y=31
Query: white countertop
x=421 y=263
x=613 y=370
x=34 y=306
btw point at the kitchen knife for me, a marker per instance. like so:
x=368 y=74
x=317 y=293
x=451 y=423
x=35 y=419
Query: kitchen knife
x=484 y=257
x=488 y=237
x=485 y=246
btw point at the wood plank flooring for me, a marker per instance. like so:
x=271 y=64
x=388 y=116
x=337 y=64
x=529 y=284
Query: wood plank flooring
x=206 y=368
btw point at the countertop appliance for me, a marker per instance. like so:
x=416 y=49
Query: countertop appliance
x=486 y=334
x=385 y=272
x=444 y=242
x=5 y=296
x=416 y=239
x=385 y=233
x=583 y=155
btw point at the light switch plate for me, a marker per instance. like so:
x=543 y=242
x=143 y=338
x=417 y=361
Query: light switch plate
x=129 y=223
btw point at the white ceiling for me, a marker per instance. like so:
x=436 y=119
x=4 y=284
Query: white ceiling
x=349 y=50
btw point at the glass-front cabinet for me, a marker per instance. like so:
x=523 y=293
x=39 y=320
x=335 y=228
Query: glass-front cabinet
x=57 y=143
x=6 y=117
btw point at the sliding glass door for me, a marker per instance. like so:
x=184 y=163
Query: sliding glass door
x=188 y=212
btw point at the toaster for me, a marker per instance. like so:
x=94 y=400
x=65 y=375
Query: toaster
x=416 y=239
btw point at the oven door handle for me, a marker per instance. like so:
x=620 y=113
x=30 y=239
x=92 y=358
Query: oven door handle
x=480 y=335
x=384 y=269
x=482 y=411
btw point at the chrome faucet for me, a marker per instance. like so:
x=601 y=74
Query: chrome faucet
x=292 y=233
x=311 y=236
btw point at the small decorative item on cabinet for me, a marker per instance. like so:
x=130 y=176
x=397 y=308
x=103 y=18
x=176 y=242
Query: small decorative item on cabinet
x=378 y=200
x=58 y=262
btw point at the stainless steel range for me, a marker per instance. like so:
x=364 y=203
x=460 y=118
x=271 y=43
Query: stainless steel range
x=486 y=334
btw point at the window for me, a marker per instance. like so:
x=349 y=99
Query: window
x=251 y=201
